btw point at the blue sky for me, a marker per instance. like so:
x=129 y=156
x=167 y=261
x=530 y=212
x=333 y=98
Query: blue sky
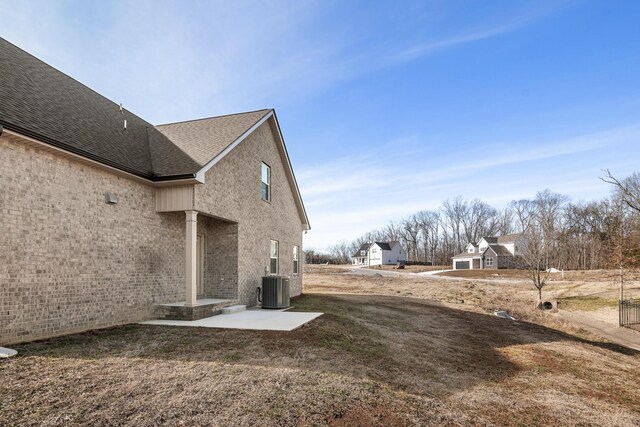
x=387 y=107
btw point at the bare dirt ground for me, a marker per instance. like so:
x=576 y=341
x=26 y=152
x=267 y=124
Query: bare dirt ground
x=392 y=359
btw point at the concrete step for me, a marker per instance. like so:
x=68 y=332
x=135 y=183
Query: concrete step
x=234 y=309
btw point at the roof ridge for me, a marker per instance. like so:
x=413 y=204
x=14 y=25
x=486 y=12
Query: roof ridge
x=215 y=117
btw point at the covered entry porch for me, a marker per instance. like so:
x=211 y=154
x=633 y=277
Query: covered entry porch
x=210 y=259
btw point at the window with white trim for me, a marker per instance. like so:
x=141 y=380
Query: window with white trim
x=273 y=255
x=266 y=182
x=296 y=264
x=488 y=262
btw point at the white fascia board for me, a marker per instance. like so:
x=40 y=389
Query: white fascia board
x=306 y=224
x=201 y=173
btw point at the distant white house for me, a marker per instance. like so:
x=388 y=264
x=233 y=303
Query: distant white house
x=490 y=253
x=379 y=253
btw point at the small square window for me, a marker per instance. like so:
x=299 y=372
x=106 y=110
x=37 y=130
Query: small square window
x=266 y=182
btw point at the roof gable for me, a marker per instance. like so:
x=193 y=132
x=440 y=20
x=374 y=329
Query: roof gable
x=204 y=139
x=364 y=247
x=500 y=250
x=44 y=104
x=384 y=246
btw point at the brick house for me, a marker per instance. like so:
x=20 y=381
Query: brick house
x=490 y=253
x=106 y=219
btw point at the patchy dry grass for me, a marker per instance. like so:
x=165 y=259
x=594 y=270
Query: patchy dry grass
x=599 y=276
x=587 y=303
x=415 y=268
x=370 y=360
x=487 y=274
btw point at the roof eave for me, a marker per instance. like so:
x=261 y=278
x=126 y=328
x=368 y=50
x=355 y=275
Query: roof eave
x=36 y=139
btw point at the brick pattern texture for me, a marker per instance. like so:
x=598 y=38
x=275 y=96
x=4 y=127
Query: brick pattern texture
x=232 y=191
x=70 y=262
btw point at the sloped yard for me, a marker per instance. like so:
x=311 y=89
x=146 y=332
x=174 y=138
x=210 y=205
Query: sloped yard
x=370 y=360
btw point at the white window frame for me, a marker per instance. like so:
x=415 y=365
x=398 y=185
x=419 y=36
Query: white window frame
x=271 y=257
x=296 y=260
x=489 y=262
x=268 y=183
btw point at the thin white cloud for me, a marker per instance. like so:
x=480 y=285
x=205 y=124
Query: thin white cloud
x=168 y=63
x=364 y=193
x=513 y=24
x=438 y=45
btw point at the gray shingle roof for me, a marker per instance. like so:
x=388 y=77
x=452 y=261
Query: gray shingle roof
x=40 y=102
x=384 y=246
x=203 y=139
x=364 y=247
x=508 y=238
x=490 y=240
x=468 y=255
x=500 y=250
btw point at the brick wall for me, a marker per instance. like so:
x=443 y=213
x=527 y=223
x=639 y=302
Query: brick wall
x=232 y=191
x=221 y=258
x=71 y=262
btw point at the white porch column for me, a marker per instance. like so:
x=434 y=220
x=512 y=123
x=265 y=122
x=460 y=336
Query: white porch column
x=190 y=243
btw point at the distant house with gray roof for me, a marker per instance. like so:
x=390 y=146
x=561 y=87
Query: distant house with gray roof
x=379 y=253
x=490 y=253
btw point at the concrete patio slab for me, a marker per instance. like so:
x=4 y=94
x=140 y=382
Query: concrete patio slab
x=254 y=319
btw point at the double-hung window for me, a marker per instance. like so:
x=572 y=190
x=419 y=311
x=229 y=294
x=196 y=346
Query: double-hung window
x=296 y=264
x=266 y=182
x=273 y=265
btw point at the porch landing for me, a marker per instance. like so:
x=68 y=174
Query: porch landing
x=205 y=307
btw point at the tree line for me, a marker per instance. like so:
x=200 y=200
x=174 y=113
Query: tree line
x=575 y=235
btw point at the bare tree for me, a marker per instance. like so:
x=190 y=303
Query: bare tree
x=523 y=211
x=548 y=217
x=454 y=211
x=628 y=189
x=429 y=226
x=340 y=253
x=533 y=255
x=409 y=234
x=504 y=220
x=478 y=219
